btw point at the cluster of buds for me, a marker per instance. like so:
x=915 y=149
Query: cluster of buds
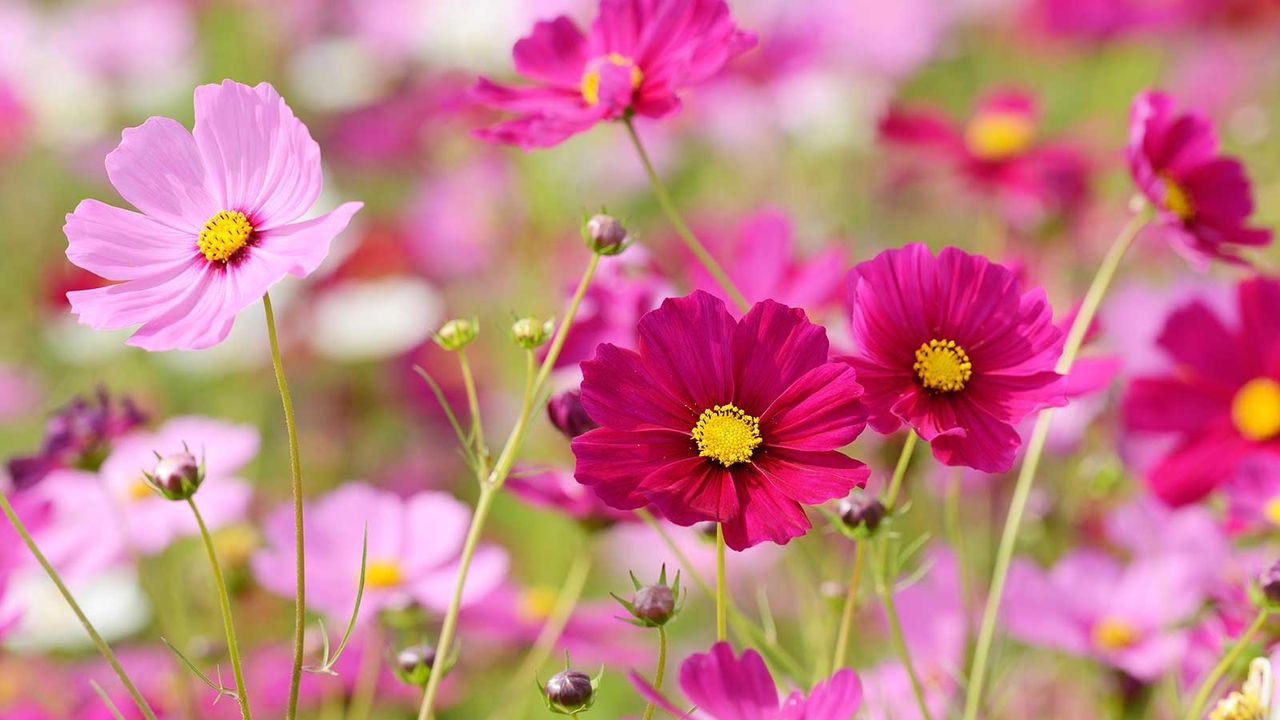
x=177 y=476
x=653 y=605
x=861 y=513
x=457 y=333
x=570 y=692
x=530 y=332
x=605 y=234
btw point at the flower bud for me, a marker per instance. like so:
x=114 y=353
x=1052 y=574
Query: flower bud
x=413 y=664
x=569 y=692
x=568 y=414
x=1269 y=583
x=861 y=510
x=529 y=333
x=177 y=476
x=457 y=333
x=654 y=603
x=604 y=234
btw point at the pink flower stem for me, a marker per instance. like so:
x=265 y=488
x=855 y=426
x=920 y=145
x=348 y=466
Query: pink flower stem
x=295 y=466
x=682 y=228
x=224 y=603
x=1202 y=697
x=1035 y=449
x=67 y=597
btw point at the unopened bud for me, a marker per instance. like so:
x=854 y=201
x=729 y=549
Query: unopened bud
x=456 y=334
x=568 y=415
x=569 y=692
x=413 y=664
x=529 y=332
x=1269 y=583
x=654 y=603
x=861 y=510
x=177 y=476
x=604 y=234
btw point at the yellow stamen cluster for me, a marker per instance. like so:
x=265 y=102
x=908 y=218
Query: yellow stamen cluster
x=1255 y=409
x=999 y=135
x=224 y=235
x=1177 y=200
x=942 y=366
x=591 y=78
x=1253 y=700
x=383 y=574
x=1114 y=634
x=727 y=435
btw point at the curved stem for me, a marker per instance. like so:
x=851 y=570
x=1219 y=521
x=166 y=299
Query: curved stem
x=70 y=600
x=490 y=487
x=224 y=603
x=682 y=229
x=660 y=673
x=295 y=468
x=850 y=606
x=900 y=644
x=900 y=470
x=1202 y=697
x=722 y=626
x=1035 y=449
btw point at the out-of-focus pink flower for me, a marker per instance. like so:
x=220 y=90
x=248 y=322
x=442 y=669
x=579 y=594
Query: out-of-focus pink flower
x=638 y=56
x=1253 y=494
x=461 y=218
x=127 y=39
x=623 y=291
x=219 y=223
x=1128 y=617
x=996 y=151
x=1202 y=198
x=17 y=393
x=1098 y=20
x=723 y=687
x=1220 y=401
x=557 y=490
x=414 y=544
x=759 y=256
x=79 y=435
x=15 y=118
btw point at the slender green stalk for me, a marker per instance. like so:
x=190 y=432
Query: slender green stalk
x=660 y=673
x=900 y=470
x=362 y=697
x=900 y=645
x=70 y=600
x=682 y=228
x=224 y=603
x=490 y=487
x=1035 y=449
x=1202 y=697
x=473 y=406
x=295 y=469
x=850 y=606
x=722 y=592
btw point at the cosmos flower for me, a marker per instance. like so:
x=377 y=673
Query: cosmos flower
x=414 y=546
x=953 y=347
x=1220 y=402
x=724 y=687
x=78 y=435
x=736 y=422
x=219 y=221
x=1202 y=198
x=557 y=490
x=996 y=151
x=1128 y=617
x=637 y=57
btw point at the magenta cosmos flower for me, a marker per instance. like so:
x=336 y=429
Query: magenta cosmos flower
x=724 y=687
x=636 y=58
x=953 y=347
x=219 y=221
x=715 y=419
x=1203 y=198
x=1220 y=403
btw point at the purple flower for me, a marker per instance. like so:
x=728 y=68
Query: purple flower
x=78 y=435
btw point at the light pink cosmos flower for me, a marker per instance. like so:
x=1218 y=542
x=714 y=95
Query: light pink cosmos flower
x=219 y=224
x=414 y=546
x=1127 y=617
x=637 y=57
x=1253 y=495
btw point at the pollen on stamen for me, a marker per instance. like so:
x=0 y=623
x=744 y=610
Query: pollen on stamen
x=727 y=435
x=590 y=85
x=224 y=235
x=1177 y=199
x=942 y=366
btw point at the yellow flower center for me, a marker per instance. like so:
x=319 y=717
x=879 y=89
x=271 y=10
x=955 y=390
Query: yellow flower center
x=1239 y=706
x=1255 y=409
x=224 y=235
x=999 y=135
x=1114 y=634
x=591 y=78
x=383 y=574
x=727 y=435
x=1177 y=200
x=536 y=603
x=140 y=489
x=942 y=366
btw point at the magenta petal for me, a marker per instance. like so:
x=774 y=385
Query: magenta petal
x=94 y=233
x=727 y=688
x=987 y=444
x=882 y=389
x=687 y=344
x=1010 y=398
x=821 y=410
x=555 y=53
x=299 y=248
x=811 y=477
x=692 y=490
x=653 y=695
x=1195 y=336
x=618 y=26
x=619 y=393
x=773 y=345
x=158 y=169
x=615 y=464
x=1196 y=466
x=766 y=512
x=839 y=696
x=1167 y=404
x=1258 y=299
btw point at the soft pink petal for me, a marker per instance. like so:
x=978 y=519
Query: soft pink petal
x=120 y=244
x=299 y=248
x=158 y=169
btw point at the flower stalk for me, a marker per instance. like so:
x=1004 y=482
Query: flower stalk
x=660 y=673
x=1211 y=680
x=224 y=604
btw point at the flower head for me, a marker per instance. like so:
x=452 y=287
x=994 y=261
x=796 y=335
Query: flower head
x=955 y=348
x=219 y=221
x=1203 y=198
x=637 y=57
x=79 y=435
x=733 y=421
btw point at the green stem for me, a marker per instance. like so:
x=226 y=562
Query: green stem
x=493 y=484
x=885 y=586
x=850 y=606
x=295 y=468
x=473 y=406
x=722 y=592
x=900 y=471
x=224 y=603
x=682 y=229
x=1202 y=697
x=1035 y=449
x=70 y=600
x=658 y=675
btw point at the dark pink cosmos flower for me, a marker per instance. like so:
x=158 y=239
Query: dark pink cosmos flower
x=1220 y=402
x=556 y=490
x=736 y=422
x=997 y=152
x=638 y=55
x=1203 y=198
x=724 y=687
x=955 y=348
